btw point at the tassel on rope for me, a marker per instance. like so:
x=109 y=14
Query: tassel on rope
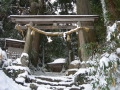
x=49 y=39
x=68 y=38
x=20 y=30
x=87 y=29
x=32 y=32
x=64 y=36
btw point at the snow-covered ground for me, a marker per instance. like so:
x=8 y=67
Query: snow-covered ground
x=7 y=83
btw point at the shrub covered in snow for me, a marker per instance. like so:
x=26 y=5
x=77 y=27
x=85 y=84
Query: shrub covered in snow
x=17 y=69
x=3 y=58
x=105 y=65
x=108 y=63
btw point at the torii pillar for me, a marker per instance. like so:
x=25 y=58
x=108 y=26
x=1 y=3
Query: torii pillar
x=28 y=40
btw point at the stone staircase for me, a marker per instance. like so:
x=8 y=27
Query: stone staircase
x=54 y=83
x=76 y=81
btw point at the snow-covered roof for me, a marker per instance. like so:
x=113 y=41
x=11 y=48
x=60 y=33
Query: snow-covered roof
x=15 y=40
x=9 y=39
x=14 y=43
x=59 y=60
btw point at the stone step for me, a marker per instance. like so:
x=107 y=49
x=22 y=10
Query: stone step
x=71 y=71
x=85 y=71
x=35 y=86
x=54 y=79
x=62 y=83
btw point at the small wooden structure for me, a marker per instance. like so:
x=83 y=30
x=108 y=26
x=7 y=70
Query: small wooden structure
x=14 y=48
x=57 y=65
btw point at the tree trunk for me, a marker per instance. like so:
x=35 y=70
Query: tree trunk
x=83 y=8
x=113 y=10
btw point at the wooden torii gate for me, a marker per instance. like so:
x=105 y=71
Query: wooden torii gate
x=47 y=21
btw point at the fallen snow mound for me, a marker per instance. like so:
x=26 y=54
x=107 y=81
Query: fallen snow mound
x=59 y=60
x=7 y=83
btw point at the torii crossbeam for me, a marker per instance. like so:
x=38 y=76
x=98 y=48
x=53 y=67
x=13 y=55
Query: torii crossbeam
x=50 y=19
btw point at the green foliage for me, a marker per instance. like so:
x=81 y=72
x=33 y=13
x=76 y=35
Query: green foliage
x=109 y=73
x=55 y=49
x=113 y=13
x=6 y=9
x=99 y=24
x=89 y=48
x=65 y=6
x=117 y=3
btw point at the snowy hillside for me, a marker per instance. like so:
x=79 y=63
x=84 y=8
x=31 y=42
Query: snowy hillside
x=7 y=83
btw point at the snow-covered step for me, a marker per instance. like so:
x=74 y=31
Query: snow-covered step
x=35 y=86
x=71 y=71
x=66 y=81
x=55 y=79
x=54 y=83
x=85 y=71
x=83 y=74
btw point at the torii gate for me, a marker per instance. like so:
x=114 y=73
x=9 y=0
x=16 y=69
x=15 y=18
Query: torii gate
x=46 y=20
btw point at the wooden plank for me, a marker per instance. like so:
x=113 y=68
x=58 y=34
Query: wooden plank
x=51 y=27
x=54 y=16
x=45 y=19
x=53 y=19
x=50 y=21
x=54 y=27
x=44 y=22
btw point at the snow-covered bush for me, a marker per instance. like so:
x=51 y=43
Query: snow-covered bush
x=3 y=58
x=6 y=63
x=107 y=64
x=17 y=69
x=3 y=55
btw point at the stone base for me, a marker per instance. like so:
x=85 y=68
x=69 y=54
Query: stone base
x=71 y=71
